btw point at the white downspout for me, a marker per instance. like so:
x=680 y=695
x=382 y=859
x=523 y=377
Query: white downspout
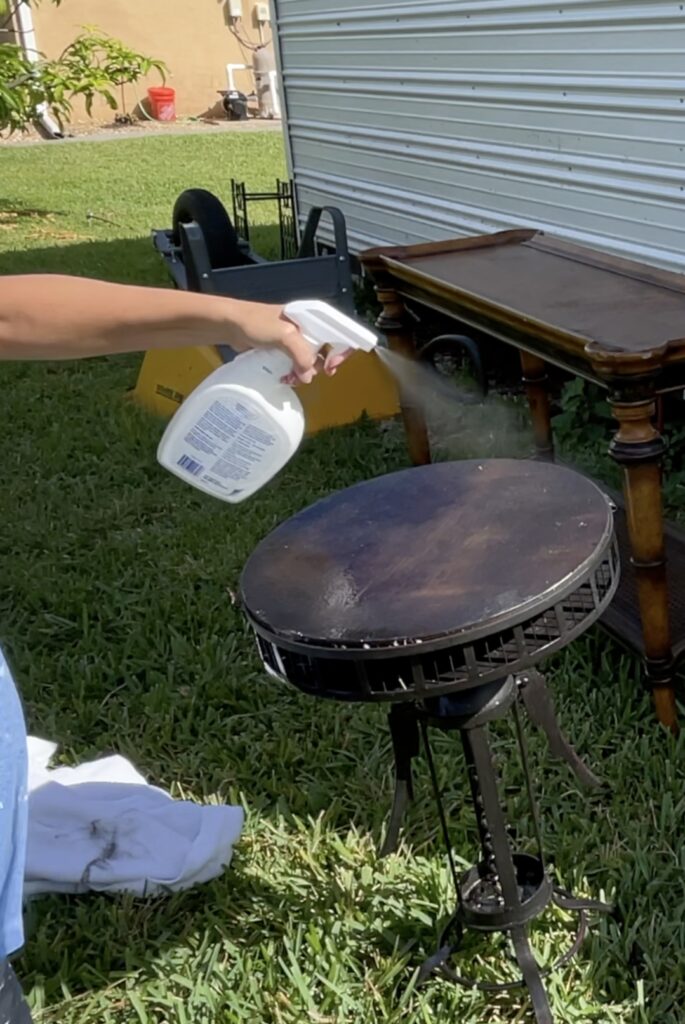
x=27 y=41
x=273 y=82
x=230 y=76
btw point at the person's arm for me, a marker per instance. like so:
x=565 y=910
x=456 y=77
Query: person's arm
x=47 y=316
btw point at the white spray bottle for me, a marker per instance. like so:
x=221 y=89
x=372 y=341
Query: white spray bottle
x=241 y=425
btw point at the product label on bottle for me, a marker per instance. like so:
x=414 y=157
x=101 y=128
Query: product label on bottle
x=226 y=444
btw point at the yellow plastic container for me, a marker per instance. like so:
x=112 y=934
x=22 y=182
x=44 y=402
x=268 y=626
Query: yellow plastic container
x=361 y=385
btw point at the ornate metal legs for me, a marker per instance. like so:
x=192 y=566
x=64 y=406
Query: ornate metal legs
x=506 y=889
x=404 y=732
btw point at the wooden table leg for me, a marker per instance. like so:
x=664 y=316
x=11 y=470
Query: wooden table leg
x=394 y=324
x=535 y=380
x=638 y=448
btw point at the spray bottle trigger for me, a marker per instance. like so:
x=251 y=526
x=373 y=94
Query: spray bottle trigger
x=335 y=350
x=323 y=325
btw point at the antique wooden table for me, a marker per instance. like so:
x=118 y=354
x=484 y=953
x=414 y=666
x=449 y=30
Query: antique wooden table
x=609 y=320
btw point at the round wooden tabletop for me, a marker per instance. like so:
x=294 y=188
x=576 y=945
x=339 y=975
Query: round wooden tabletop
x=429 y=552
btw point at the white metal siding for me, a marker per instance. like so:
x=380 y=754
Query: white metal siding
x=425 y=120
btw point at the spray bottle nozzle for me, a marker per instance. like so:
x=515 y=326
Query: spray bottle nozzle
x=322 y=324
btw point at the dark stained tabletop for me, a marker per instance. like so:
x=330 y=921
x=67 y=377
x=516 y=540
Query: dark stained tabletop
x=427 y=552
x=601 y=305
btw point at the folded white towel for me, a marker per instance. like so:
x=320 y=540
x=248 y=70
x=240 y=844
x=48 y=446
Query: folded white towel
x=101 y=826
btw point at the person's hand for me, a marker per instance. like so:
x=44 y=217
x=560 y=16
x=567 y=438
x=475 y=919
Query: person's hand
x=261 y=325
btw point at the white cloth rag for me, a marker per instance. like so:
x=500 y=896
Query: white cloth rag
x=102 y=827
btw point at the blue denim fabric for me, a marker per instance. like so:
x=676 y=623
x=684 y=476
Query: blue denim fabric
x=13 y=812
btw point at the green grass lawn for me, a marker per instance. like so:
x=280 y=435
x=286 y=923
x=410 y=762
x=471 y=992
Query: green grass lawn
x=116 y=608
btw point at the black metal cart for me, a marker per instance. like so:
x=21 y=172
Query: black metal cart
x=203 y=252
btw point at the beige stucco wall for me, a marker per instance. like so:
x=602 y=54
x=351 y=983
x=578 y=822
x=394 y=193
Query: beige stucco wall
x=191 y=36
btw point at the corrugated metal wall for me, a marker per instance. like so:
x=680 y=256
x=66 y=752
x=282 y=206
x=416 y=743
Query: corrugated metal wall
x=428 y=119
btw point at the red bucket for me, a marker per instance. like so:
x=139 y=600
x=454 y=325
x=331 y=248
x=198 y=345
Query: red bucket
x=162 y=103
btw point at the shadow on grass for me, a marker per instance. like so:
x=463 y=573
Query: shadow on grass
x=125 y=260
x=13 y=212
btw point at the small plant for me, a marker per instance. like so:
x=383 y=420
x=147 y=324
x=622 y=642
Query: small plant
x=21 y=90
x=95 y=64
x=585 y=420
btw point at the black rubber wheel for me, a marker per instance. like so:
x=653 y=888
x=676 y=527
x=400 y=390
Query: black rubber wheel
x=451 y=354
x=209 y=213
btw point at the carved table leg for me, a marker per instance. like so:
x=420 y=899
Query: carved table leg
x=393 y=323
x=638 y=448
x=535 y=380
